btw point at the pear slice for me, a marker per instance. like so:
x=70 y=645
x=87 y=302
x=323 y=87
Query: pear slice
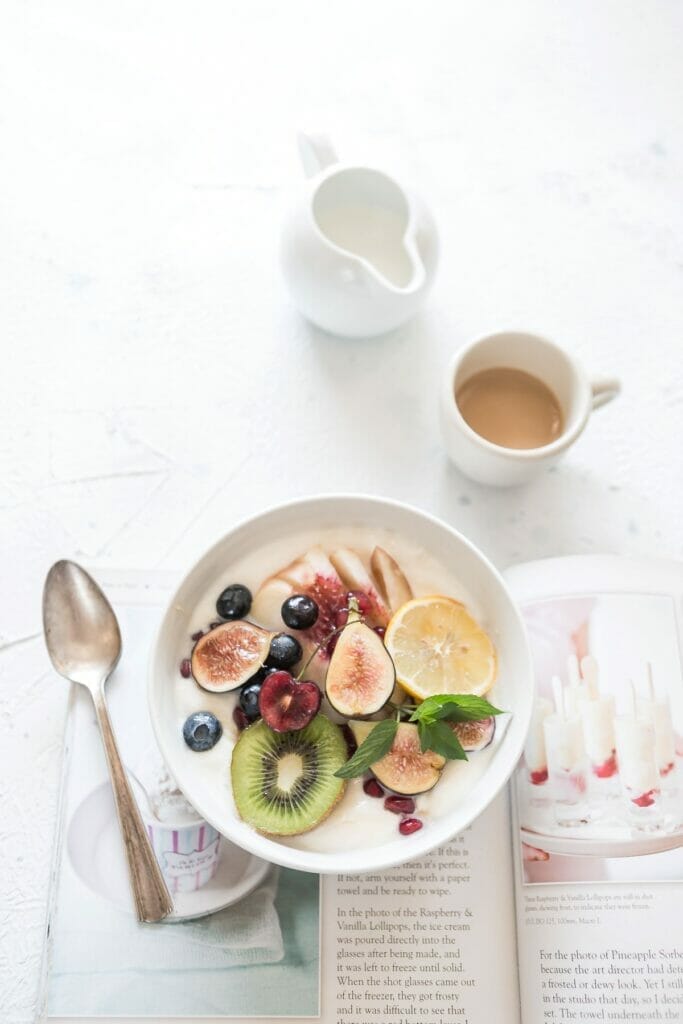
x=266 y=608
x=304 y=571
x=356 y=577
x=392 y=584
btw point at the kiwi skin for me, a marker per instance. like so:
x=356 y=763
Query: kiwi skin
x=258 y=743
x=328 y=812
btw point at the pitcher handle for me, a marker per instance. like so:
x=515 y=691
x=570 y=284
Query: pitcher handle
x=316 y=152
x=604 y=389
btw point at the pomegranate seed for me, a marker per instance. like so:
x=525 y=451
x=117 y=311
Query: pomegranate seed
x=400 y=804
x=364 y=602
x=331 y=644
x=240 y=719
x=197 y=636
x=372 y=788
x=185 y=668
x=409 y=825
x=380 y=631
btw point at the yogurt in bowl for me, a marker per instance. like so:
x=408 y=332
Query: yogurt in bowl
x=358 y=834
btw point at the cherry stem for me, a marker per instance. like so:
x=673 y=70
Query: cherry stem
x=325 y=641
x=403 y=708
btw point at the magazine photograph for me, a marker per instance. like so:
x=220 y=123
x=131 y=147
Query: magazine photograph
x=341 y=492
x=600 y=776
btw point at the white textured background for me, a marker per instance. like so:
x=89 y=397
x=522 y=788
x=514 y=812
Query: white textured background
x=156 y=385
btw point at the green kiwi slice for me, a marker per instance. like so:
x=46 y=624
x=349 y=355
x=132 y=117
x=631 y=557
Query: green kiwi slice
x=283 y=782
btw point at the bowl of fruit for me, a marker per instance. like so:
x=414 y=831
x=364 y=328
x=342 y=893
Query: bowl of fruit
x=341 y=684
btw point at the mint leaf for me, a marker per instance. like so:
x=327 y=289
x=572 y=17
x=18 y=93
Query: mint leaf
x=453 y=707
x=439 y=737
x=372 y=749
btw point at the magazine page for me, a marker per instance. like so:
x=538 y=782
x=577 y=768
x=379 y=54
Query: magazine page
x=598 y=799
x=431 y=940
x=434 y=939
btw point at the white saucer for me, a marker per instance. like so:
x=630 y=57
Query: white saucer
x=95 y=851
x=633 y=844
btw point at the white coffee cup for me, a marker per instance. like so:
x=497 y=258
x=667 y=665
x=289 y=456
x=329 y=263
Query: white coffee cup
x=493 y=464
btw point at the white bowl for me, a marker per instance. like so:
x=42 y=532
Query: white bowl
x=491 y=600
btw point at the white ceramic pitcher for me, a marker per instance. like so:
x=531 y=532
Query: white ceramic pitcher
x=359 y=252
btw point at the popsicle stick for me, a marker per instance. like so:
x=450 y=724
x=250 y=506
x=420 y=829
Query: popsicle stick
x=650 y=681
x=632 y=697
x=558 y=694
x=589 y=668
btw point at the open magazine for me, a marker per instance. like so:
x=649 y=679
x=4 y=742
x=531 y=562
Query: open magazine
x=562 y=902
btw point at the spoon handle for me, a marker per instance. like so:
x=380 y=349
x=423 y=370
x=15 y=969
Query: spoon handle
x=152 y=899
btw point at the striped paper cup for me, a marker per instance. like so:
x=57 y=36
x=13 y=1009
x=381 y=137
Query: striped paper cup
x=187 y=854
x=187 y=848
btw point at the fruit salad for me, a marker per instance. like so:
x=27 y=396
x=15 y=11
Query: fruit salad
x=343 y=696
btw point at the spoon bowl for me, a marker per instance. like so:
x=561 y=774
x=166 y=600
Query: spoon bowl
x=81 y=631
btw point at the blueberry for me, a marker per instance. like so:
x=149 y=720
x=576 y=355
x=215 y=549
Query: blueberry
x=299 y=612
x=249 y=695
x=285 y=651
x=234 y=602
x=202 y=731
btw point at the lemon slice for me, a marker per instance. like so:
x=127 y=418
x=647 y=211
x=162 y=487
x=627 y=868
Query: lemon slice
x=437 y=647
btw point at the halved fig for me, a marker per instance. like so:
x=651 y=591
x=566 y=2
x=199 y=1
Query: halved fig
x=406 y=769
x=361 y=676
x=392 y=584
x=475 y=735
x=225 y=657
x=356 y=577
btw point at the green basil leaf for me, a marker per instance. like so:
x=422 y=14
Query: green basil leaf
x=440 y=738
x=372 y=749
x=454 y=707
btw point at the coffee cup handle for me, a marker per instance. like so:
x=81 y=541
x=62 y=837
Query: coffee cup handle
x=604 y=389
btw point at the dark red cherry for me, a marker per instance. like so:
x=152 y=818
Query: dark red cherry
x=287 y=705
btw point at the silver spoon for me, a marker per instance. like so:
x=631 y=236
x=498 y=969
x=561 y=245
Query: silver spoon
x=84 y=643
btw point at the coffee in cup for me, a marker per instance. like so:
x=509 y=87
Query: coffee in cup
x=510 y=407
x=513 y=403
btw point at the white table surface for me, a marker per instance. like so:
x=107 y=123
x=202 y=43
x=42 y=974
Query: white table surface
x=156 y=383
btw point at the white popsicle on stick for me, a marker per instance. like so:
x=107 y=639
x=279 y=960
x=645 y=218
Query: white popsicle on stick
x=558 y=694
